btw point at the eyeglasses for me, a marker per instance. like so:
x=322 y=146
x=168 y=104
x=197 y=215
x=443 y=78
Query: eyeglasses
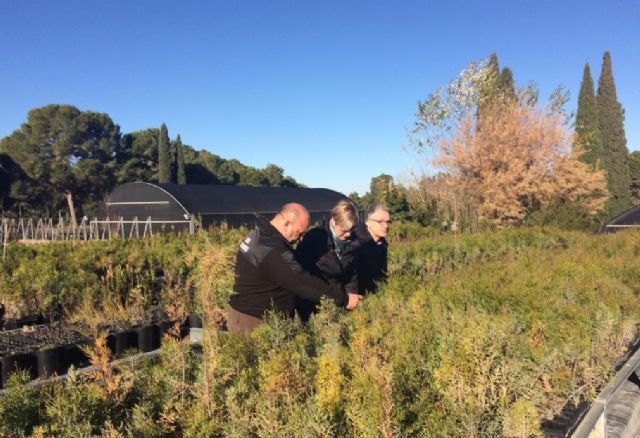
x=381 y=221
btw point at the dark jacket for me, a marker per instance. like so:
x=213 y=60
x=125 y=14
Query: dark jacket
x=317 y=254
x=372 y=260
x=267 y=276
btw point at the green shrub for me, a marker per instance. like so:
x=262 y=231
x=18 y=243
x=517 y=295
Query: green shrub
x=483 y=334
x=19 y=407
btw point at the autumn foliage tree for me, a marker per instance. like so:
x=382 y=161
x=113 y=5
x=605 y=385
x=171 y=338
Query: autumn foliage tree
x=516 y=159
x=522 y=159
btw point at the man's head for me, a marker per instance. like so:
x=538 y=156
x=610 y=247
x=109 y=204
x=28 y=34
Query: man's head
x=378 y=221
x=344 y=217
x=291 y=221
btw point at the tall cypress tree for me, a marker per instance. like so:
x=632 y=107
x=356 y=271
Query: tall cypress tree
x=587 y=127
x=614 y=143
x=488 y=88
x=497 y=88
x=164 y=156
x=6 y=179
x=507 y=85
x=181 y=174
x=634 y=170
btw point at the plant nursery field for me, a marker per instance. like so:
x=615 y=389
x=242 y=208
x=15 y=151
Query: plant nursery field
x=488 y=334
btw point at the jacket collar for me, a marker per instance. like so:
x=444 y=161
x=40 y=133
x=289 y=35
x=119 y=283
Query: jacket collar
x=269 y=233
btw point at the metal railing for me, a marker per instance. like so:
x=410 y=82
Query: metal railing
x=594 y=423
x=32 y=230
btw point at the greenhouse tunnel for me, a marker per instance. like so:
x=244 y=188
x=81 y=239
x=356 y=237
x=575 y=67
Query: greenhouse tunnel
x=625 y=220
x=170 y=206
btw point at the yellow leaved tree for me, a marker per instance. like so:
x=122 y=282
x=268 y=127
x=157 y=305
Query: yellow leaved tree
x=517 y=158
x=522 y=158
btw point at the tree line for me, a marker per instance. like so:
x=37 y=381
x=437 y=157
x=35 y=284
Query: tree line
x=503 y=157
x=62 y=154
x=599 y=129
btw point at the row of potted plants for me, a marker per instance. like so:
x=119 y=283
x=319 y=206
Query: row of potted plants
x=48 y=350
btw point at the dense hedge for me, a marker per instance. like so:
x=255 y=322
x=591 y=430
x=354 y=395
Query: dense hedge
x=109 y=279
x=474 y=335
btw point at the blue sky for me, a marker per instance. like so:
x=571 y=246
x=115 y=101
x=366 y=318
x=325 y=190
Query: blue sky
x=325 y=89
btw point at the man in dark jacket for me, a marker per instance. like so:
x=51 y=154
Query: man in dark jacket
x=372 y=249
x=327 y=253
x=267 y=276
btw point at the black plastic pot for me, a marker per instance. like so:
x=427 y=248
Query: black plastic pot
x=72 y=354
x=148 y=338
x=50 y=361
x=12 y=324
x=121 y=341
x=14 y=362
x=167 y=326
x=164 y=326
x=184 y=328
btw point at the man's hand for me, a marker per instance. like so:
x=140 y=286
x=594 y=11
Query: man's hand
x=353 y=300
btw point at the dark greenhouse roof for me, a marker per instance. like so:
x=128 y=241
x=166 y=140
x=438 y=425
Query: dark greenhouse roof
x=175 y=207
x=225 y=199
x=171 y=207
x=629 y=217
x=146 y=199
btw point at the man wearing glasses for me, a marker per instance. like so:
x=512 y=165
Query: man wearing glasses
x=372 y=249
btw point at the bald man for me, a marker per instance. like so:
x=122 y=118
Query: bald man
x=267 y=276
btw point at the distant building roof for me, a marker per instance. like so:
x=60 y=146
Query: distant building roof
x=627 y=219
x=235 y=205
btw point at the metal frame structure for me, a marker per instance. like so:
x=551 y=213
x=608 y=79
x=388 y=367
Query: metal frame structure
x=38 y=230
x=594 y=423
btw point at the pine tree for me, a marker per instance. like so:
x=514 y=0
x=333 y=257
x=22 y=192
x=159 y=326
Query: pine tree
x=587 y=128
x=164 y=157
x=614 y=143
x=181 y=174
x=62 y=150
